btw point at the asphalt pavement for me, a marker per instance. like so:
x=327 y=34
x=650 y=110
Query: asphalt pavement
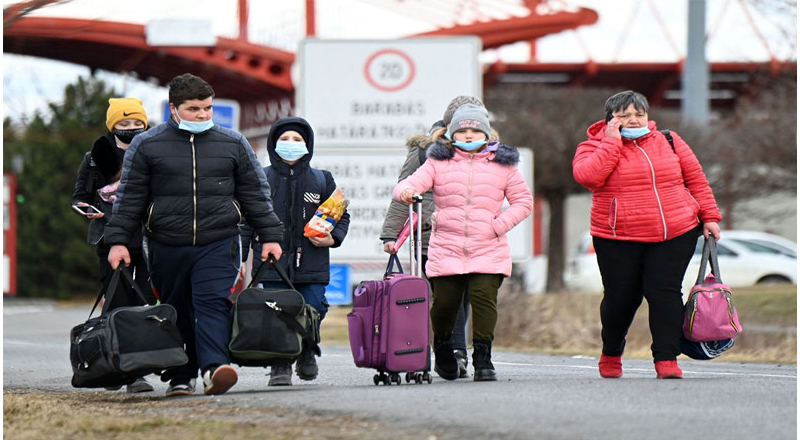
x=536 y=397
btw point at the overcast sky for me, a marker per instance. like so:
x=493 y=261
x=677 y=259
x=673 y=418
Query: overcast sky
x=627 y=31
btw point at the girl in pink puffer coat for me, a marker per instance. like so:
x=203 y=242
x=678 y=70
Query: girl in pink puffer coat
x=468 y=249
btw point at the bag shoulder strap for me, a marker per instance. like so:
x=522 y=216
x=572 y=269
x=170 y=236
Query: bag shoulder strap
x=668 y=135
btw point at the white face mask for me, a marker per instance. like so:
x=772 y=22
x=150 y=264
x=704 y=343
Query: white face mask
x=194 y=126
x=291 y=150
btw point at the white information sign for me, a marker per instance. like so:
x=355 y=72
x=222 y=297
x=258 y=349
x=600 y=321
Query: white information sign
x=377 y=93
x=368 y=178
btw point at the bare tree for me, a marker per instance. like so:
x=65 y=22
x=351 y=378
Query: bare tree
x=751 y=152
x=552 y=122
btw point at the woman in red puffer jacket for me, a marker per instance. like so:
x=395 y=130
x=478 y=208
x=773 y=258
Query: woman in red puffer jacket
x=649 y=203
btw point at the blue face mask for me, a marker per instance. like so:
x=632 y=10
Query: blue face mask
x=194 y=126
x=289 y=150
x=469 y=146
x=634 y=133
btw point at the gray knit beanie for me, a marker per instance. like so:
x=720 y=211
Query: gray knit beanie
x=470 y=116
x=457 y=102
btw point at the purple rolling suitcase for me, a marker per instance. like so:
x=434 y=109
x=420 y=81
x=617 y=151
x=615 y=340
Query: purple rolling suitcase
x=389 y=326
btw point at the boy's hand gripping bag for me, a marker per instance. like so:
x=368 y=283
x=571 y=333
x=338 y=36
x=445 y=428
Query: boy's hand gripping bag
x=710 y=314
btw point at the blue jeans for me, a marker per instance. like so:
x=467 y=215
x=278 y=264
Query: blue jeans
x=313 y=294
x=197 y=280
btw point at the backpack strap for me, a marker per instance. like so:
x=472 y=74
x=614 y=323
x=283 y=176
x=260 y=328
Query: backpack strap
x=668 y=135
x=320 y=177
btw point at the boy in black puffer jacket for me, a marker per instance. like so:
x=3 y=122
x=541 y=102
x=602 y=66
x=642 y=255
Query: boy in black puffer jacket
x=297 y=191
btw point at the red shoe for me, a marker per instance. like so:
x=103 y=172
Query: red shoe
x=610 y=366
x=668 y=370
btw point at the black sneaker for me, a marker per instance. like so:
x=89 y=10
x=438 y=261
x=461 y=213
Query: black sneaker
x=445 y=364
x=181 y=387
x=140 y=385
x=306 y=366
x=219 y=380
x=280 y=375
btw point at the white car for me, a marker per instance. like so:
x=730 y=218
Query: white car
x=746 y=258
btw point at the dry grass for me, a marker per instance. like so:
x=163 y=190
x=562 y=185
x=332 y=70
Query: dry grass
x=103 y=416
x=570 y=324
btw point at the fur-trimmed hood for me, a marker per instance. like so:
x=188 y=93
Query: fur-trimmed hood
x=107 y=156
x=505 y=154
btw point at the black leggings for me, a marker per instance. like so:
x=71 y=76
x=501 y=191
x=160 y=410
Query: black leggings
x=634 y=270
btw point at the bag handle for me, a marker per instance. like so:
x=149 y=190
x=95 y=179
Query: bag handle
x=123 y=271
x=709 y=255
x=393 y=259
x=278 y=268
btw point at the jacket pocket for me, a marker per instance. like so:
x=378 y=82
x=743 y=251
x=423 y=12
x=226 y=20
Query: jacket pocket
x=612 y=216
x=696 y=203
x=238 y=210
x=150 y=210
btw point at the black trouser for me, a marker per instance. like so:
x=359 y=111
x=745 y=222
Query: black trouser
x=634 y=270
x=459 y=337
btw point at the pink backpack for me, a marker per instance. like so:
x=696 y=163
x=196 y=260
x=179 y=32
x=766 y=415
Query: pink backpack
x=710 y=315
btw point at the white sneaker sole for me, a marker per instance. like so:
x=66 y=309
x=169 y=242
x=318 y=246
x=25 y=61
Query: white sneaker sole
x=222 y=380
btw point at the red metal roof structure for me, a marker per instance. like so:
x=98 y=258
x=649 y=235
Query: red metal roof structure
x=258 y=76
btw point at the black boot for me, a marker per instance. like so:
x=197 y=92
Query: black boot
x=445 y=365
x=461 y=358
x=482 y=361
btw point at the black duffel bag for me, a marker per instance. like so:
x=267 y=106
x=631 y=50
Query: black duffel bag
x=126 y=343
x=271 y=327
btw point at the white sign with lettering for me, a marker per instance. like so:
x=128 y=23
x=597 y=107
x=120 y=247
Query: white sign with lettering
x=378 y=93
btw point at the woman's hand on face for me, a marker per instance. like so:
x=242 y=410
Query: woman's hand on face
x=711 y=228
x=613 y=128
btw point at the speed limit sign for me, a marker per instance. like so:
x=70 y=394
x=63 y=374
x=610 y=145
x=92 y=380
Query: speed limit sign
x=377 y=93
x=389 y=70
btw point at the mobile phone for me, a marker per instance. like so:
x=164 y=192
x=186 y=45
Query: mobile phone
x=609 y=117
x=86 y=209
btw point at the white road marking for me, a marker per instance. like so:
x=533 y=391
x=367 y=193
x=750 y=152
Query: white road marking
x=646 y=370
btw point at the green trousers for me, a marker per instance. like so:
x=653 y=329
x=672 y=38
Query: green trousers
x=448 y=295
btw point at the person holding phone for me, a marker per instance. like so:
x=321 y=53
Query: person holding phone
x=94 y=195
x=650 y=202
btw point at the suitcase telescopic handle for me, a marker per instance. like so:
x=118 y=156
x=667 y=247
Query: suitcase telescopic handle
x=415 y=239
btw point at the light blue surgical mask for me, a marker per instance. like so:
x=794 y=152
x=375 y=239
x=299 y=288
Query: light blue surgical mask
x=291 y=150
x=469 y=146
x=194 y=126
x=634 y=133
